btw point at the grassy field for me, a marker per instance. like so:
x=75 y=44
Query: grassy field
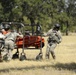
x=65 y=63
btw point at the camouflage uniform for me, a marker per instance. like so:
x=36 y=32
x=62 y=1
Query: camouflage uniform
x=1 y=36
x=1 y=44
x=10 y=38
x=53 y=39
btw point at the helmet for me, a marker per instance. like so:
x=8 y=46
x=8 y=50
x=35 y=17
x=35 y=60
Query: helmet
x=57 y=26
x=6 y=27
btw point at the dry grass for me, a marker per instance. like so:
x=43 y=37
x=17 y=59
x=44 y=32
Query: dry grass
x=65 y=63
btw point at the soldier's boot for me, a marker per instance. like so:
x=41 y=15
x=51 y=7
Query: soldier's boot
x=53 y=55
x=47 y=56
x=1 y=59
x=5 y=57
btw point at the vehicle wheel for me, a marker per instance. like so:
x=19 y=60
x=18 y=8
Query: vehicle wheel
x=39 y=56
x=15 y=56
x=22 y=57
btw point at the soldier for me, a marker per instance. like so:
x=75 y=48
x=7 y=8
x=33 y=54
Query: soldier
x=1 y=43
x=38 y=29
x=53 y=39
x=1 y=35
x=10 y=38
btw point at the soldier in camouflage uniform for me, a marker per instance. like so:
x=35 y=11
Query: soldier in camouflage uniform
x=1 y=44
x=53 y=39
x=10 y=38
x=38 y=28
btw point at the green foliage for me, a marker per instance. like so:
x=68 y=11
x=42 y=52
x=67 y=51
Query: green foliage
x=47 y=12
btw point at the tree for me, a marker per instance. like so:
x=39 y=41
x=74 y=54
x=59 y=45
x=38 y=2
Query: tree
x=46 y=12
x=70 y=11
x=1 y=13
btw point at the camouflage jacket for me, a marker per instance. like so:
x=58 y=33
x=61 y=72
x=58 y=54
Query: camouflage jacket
x=54 y=36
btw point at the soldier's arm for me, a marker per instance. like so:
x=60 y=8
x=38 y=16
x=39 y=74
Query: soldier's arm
x=19 y=35
x=2 y=36
x=49 y=32
x=59 y=35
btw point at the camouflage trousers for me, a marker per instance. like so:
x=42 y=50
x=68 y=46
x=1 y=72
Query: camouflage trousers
x=50 y=49
x=8 y=47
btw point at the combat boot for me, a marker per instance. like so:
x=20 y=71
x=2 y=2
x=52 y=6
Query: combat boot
x=47 y=56
x=1 y=59
x=53 y=55
x=5 y=57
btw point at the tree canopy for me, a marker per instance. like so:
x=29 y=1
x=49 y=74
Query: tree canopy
x=46 y=12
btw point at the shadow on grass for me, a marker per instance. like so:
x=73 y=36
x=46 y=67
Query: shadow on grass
x=58 y=66
x=24 y=68
x=65 y=66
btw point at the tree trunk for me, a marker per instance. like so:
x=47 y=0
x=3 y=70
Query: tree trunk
x=67 y=26
x=32 y=23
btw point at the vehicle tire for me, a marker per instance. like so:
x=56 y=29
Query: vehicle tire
x=15 y=56
x=22 y=57
x=39 y=56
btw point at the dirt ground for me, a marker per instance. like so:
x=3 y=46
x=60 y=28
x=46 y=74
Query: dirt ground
x=65 y=63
